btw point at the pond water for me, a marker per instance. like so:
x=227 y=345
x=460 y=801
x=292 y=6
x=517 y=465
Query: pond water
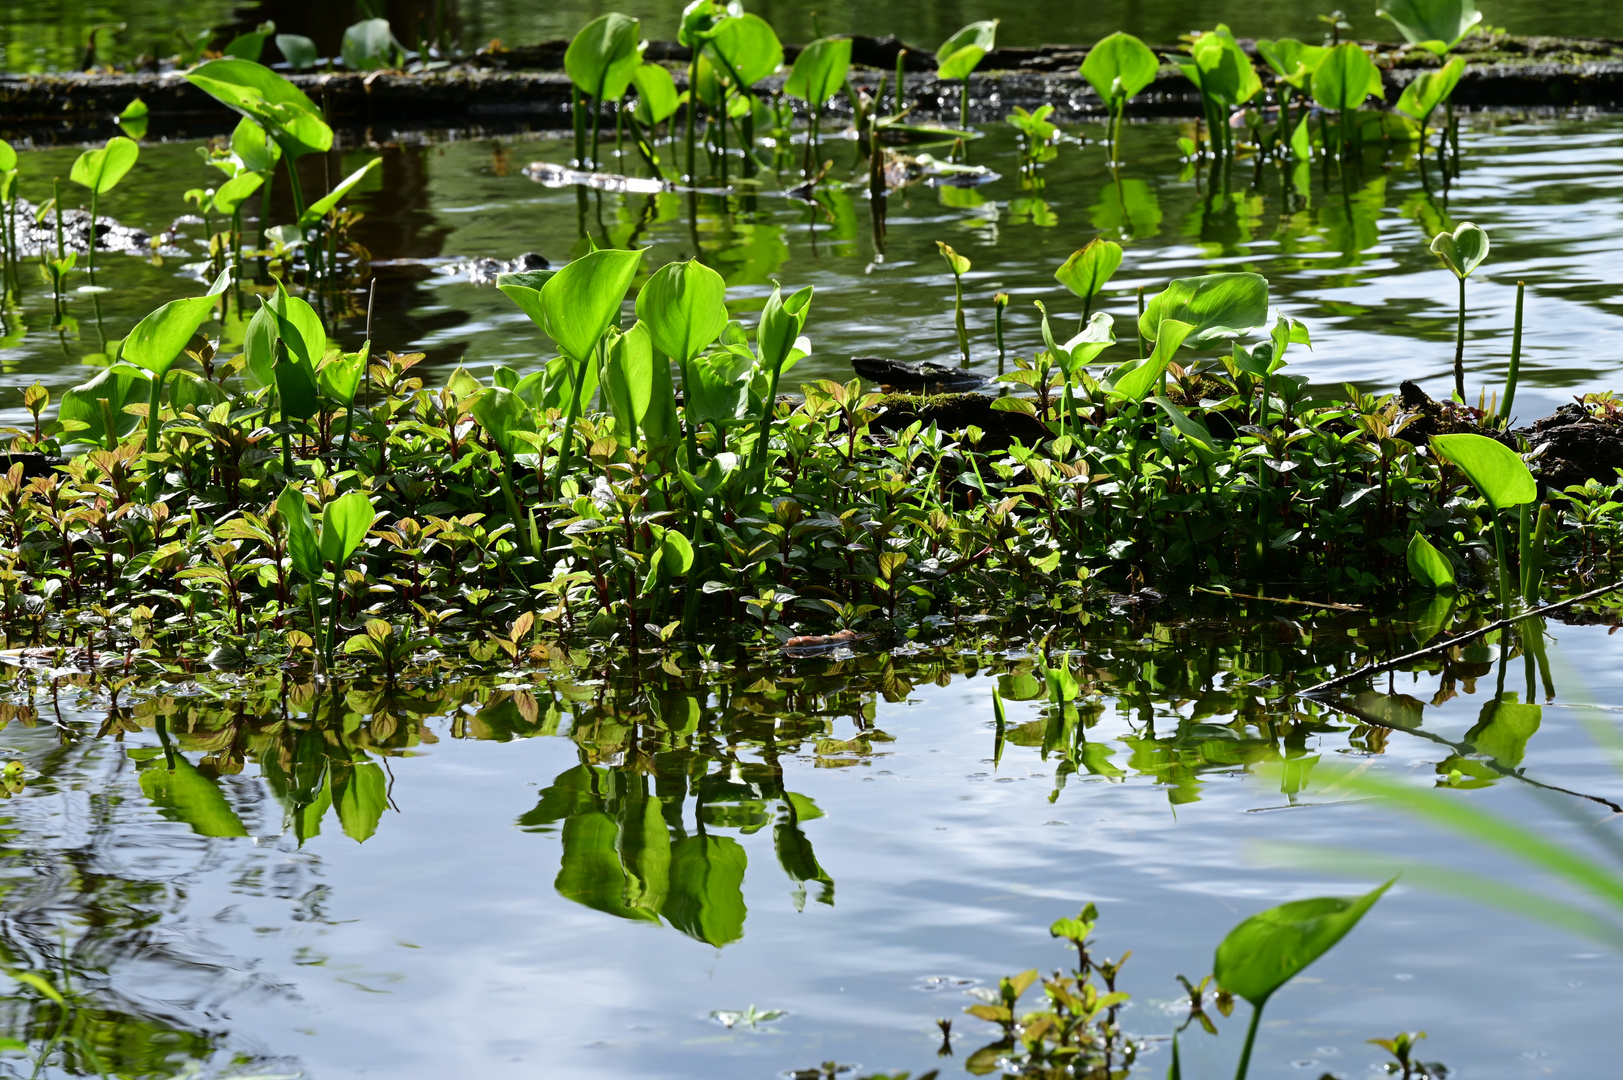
x=456 y=860
x=1351 y=260
x=841 y=840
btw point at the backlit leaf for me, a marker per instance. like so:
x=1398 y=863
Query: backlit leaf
x=1267 y=950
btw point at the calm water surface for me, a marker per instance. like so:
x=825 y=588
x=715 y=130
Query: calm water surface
x=858 y=859
x=1350 y=259
x=863 y=856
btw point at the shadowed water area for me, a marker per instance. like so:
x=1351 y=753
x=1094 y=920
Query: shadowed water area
x=704 y=864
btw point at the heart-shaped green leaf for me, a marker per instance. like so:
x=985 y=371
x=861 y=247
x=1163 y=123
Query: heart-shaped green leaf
x=303 y=547
x=1136 y=384
x=1345 y=77
x=1496 y=470
x=229 y=196
x=1463 y=250
x=583 y=299
x=1215 y=305
x=819 y=71
x=1119 y=67
x=657 y=98
x=959 y=54
x=684 y=307
x=782 y=320
x=120 y=385
x=101 y=170
x=155 y=343
x=1090 y=268
x=344 y=524
x=265 y=97
x=368 y=45
x=750 y=46
x=503 y=413
x=1438 y=25
x=604 y=55
x=1430 y=89
x=1267 y=950
x=1428 y=565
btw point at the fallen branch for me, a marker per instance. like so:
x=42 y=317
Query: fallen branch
x=1231 y=594
x=1444 y=646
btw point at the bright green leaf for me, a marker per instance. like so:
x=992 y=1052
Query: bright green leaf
x=1498 y=472
x=1267 y=950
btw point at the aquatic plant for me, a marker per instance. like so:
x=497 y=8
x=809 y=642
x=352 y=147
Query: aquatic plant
x=961 y=54
x=281 y=109
x=959 y=265
x=1462 y=251
x=1088 y=270
x=1434 y=25
x=1428 y=90
x=299 y=51
x=817 y=75
x=1272 y=947
x=1343 y=80
x=368 y=46
x=1118 y=67
x=100 y=171
x=1223 y=74
x=601 y=61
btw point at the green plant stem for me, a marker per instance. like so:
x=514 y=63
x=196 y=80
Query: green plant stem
x=1535 y=576
x=504 y=477
x=692 y=106
x=349 y=421
x=1515 y=355
x=1137 y=332
x=768 y=408
x=154 y=473
x=958 y=318
x=90 y=241
x=332 y=625
x=1459 y=347
x=597 y=117
x=963 y=104
x=644 y=147
x=1504 y=567
x=580 y=130
x=1524 y=547
x=566 y=446
x=997 y=331
x=1250 y=1039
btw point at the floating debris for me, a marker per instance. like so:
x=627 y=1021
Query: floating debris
x=485 y=271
